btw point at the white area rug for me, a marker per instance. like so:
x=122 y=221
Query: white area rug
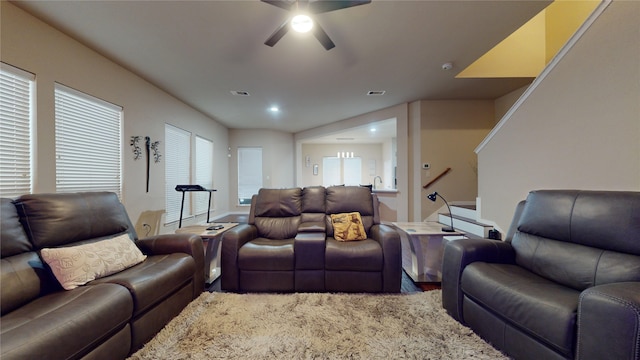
x=316 y=326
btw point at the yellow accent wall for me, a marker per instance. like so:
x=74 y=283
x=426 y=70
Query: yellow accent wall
x=527 y=51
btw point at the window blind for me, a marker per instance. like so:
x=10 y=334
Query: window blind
x=16 y=114
x=177 y=157
x=88 y=142
x=204 y=173
x=352 y=171
x=331 y=171
x=249 y=173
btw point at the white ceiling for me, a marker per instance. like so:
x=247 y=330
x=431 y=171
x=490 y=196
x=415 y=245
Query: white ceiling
x=200 y=51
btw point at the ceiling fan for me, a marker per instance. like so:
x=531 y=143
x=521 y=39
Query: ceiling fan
x=301 y=11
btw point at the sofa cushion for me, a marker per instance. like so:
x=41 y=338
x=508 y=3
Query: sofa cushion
x=364 y=255
x=560 y=236
x=278 y=202
x=345 y=199
x=74 y=266
x=24 y=277
x=153 y=280
x=313 y=199
x=603 y=219
x=267 y=255
x=14 y=239
x=65 y=324
x=539 y=307
x=52 y=220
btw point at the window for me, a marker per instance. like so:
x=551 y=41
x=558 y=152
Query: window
x=352 y=171
x=204 y=173
x=331 y=171
x=88 y=142
x=16 y=114
x=177 y=170
x=249 y=173
x=336 y=171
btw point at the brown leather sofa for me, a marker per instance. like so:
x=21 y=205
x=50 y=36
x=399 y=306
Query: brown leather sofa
x=107 y=318
x=565 y=283
x=288 y=245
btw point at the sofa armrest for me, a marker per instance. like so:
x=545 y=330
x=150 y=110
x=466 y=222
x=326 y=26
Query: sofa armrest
x=174 y=243
x=232 y=241
x=460 y=253
x=609 y=322
x=389 y=240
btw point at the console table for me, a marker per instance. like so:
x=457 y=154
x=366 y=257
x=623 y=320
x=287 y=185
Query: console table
x=422 y=249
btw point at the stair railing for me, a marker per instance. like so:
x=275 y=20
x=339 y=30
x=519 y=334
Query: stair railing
x=437 y=177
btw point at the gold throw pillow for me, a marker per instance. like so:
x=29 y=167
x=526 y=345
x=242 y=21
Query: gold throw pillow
x=348 y=227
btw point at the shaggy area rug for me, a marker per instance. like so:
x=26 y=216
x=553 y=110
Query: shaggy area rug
x=316 y=326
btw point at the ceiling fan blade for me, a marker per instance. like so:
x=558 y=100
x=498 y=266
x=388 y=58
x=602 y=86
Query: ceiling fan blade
x=283 y=4
x=322 y=36
x=278 y=34
x=319 y=7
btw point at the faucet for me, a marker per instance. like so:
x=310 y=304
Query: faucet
x=374 y=181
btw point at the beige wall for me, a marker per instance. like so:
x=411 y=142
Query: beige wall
x=32 y=45
x=450 y=130
x=277 y=160
x=578 y=128
x=398 y=112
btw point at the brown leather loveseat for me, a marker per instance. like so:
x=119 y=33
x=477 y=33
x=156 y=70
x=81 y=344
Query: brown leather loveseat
x=565 y=284
x=289 y=244
x=108 y=318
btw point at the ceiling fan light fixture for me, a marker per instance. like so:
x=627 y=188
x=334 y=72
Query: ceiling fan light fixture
x=301 y=23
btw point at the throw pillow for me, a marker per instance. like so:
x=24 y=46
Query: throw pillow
x=77 y=265
x=348 y=226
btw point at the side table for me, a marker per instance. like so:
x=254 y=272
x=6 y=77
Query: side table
x=211 y=240
x=422 y=249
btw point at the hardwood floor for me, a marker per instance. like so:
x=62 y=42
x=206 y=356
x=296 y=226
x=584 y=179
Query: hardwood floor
x=407 y=286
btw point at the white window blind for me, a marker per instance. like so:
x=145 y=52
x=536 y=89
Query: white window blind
x=16 y=147
x=352 y=171
x=177 y=157
x=331 y=171
x=88 y=142
x=204 y=173
x=249 y=173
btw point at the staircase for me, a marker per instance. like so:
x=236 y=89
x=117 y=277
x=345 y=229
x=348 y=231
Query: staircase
x=464 y=219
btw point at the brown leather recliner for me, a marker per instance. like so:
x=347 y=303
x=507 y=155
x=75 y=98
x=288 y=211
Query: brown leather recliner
x=565 y=283
x=288 y=244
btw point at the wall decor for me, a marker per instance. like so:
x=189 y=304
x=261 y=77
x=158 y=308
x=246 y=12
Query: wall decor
x=156 y=151
x=148 y=146
x=136 y=148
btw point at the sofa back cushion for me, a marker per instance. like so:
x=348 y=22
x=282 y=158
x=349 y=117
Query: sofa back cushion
x=313 y=204
x=22 y=274
x=276 y=213
x=580 y=238
x=346 y=199
x=14 y=239
x=52 y=220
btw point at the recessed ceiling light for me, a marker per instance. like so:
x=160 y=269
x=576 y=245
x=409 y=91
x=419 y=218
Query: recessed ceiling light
x=274 y=109
x=375 y=92
x=373 y=130
x=240 y=93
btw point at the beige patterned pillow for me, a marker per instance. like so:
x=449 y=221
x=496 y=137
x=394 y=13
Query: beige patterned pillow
x=77 y=265
x=348 y=227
